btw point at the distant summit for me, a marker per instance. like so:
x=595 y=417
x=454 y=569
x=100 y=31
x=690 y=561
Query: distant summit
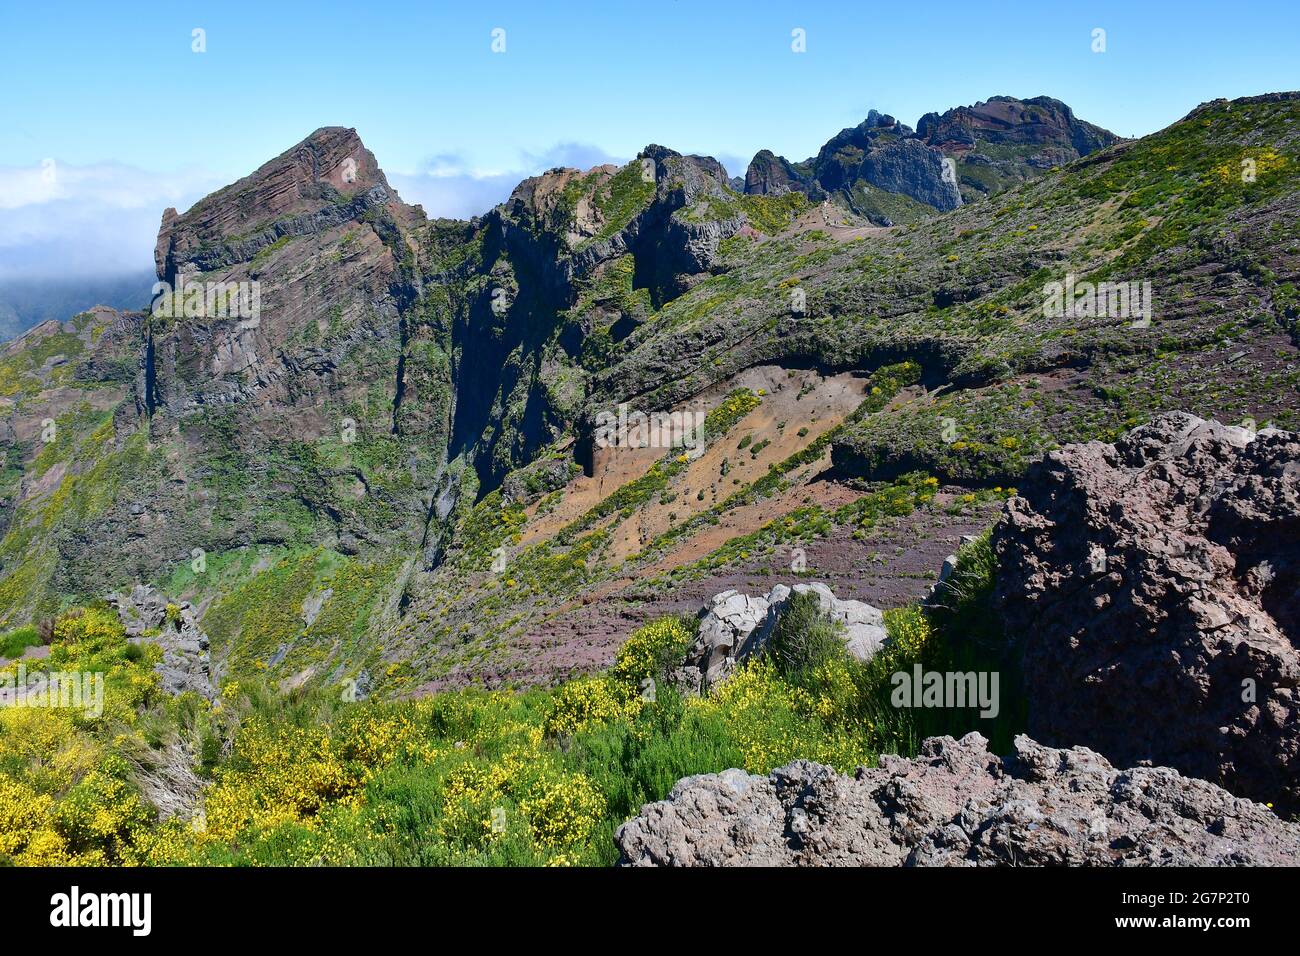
x=884 y=170
x=1003 y=141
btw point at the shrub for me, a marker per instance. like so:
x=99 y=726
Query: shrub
x=652 y=649
x=460 y=778
x=964 y=601
x=15 y=642
x=582 y=703
x=25 y=834
x=803 y=638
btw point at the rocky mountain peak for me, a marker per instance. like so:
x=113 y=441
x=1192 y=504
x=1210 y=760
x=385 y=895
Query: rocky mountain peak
x=960 y=155
x=1042 y=121
x=329 y=171
x=695 y=174
x=861 y=167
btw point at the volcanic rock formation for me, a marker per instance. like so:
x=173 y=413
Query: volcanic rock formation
x=1153 y=585
x=957 y=805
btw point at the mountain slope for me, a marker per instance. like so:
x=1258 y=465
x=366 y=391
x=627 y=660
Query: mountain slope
x=391 y=473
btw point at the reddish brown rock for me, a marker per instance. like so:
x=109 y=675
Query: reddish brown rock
x=1153 y=587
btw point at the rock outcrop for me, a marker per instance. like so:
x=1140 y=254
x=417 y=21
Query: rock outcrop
x=772 y=175
x=879 y=152
x=990 y=146
x=957 y=805
x=1005 y=140
x=735 y=627
x=1153 y=584
x=1040 y=121
x=148 y=615
x=323 y=235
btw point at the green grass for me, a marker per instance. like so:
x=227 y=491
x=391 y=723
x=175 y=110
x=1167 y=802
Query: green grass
x=621 y=198
x=472 y=777
x=768 y=214
x=18 y=640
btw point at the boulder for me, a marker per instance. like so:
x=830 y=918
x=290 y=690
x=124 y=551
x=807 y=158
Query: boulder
x=1152 y=585
x=957 y=805
x=735 y=626
x=727 y=622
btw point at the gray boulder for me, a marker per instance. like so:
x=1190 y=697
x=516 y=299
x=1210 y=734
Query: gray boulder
x=735 y=626
x=957 y=805
x=727 y=623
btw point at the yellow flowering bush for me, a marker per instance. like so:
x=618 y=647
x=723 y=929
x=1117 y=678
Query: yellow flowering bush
x=561 y=810
x=651 y=649
x=1264 y=161
x=830 y=693
x=25 y=835
x=93 y=640
x=564 y=810
x=37 y=740
x=909 y=633
x=472 y=793
x=374 y=738
x=772 y=722
x=101 y=815
x=468 y=777
x=583 y=703
x=60 y=765
x=277 y=774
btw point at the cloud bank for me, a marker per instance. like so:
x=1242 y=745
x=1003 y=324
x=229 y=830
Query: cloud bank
x=62 y=221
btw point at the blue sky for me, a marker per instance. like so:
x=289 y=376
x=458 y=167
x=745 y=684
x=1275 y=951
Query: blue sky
x=132 y=119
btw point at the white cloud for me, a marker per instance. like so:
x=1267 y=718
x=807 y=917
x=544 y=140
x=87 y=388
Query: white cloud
x=64 y=221
x=96 y=220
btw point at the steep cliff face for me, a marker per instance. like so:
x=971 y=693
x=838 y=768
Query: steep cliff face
x=284 y=354
x=289 y=389
x=569 y=266
x=328 y=244
x=325 y=381
x=61 y=461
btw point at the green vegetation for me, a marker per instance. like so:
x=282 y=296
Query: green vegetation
x=327 y=560
x=803 y=640
x=738 y=403
x=96 y=471
x=468 y=777
x=21 y=371
x=18 y=640
x=768 y=214
x=619 y=199
x=629 y=496
x=260 y=622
